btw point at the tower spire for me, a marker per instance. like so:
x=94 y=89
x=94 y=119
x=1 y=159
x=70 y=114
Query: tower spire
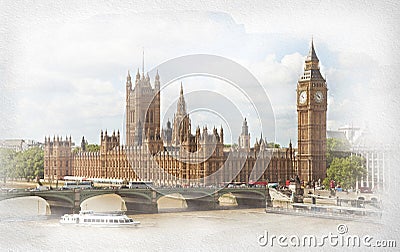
x=181 y=106
x=181 y=89
x=311 y=54
x=311 y=69
x=143 y=63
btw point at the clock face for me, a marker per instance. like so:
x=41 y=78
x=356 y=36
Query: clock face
x=303 y=97
x=318 y=96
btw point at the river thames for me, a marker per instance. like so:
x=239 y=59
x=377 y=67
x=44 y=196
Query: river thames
x=223 y=230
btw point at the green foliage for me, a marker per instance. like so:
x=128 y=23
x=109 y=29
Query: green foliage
x=76 y=150
x=234 y=145
x=273 y=145
x=345 y=171
x=24 y=164
x=7 y=159
x=336 y=148
x=88 y=147
x=92 y=147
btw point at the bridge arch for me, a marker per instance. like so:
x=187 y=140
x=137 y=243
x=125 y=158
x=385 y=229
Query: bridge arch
x=25 y=206
x=195 y=199
x=132 y=201
x=134 y=193
x=186 y=194
x=104 y=202
x=227 y=200
x=139 y=201
x=171 y=201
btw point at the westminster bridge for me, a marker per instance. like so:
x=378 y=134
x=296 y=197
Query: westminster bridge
x=146 y=200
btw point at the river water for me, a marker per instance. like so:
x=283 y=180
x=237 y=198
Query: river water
x=224 y=230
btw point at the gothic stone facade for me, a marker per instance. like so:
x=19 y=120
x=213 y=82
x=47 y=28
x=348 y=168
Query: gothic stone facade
x=187 y=159
x=174 y=167
x=57 y=158
x=174 y=156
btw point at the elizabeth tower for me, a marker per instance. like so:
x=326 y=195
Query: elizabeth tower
x=311 y=115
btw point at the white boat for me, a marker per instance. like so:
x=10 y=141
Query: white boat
x=89 y=217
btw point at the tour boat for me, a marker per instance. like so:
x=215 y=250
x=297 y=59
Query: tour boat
x=89 y=217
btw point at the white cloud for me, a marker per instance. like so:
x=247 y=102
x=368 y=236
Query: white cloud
x=67 y=69
x=279 y=78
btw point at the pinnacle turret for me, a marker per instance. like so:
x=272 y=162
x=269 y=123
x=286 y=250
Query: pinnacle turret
x=137 y=74
x=181 y=106
x=245 y=128
x=128 y=81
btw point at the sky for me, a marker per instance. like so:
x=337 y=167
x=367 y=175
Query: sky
x=63 y=66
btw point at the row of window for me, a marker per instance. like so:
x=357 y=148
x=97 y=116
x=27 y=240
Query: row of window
x=317 y=84
x=107 y=221
x=149 y=116
x=55 y=163
x=47 y=171
x=67 y=152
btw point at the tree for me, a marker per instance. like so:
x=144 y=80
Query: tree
x=76 y=150
x=273 y=145
x=92 y=147
x=339 y=148
x=234 y=145
x=29 y=163
x=7 y=159
x=345 y=171
x=26 y=164
x=88 y=147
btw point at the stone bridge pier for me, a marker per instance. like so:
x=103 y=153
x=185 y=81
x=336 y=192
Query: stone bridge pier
x=62 y=202
x=249 y=199
x=202 y=203
x=245 y=201
x=138 y=204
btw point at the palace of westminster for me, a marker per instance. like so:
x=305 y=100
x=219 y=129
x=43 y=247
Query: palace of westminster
x=174 y=156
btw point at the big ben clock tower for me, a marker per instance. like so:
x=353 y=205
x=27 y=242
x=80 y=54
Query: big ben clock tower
x=311 y=114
